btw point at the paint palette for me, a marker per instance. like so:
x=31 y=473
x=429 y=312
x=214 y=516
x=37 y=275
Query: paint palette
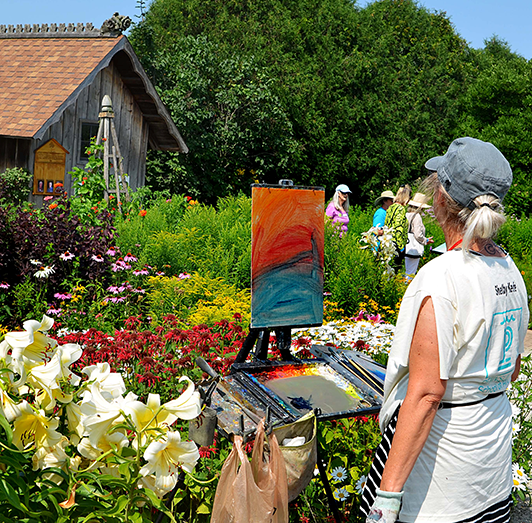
x=290 y=390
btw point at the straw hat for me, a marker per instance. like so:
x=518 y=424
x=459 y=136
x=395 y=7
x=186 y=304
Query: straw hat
x=419 y=200
x=384 y=195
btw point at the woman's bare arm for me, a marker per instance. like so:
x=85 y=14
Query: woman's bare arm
x=425 y=390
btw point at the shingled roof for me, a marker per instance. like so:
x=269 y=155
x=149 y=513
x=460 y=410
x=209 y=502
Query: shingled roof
x=42 y=74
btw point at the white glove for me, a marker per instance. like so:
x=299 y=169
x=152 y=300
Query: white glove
x=385 y=508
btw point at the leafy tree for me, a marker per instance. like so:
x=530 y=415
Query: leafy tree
x=497 y=107
x=233 y=123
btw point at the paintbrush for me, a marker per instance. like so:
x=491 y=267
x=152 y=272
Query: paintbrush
x=371 y=380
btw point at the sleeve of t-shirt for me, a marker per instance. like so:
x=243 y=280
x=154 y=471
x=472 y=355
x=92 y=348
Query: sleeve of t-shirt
x=331 y=211
x=440 y=291
x=378 y=217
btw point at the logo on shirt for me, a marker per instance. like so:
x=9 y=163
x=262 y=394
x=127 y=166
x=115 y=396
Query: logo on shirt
x=505 y=288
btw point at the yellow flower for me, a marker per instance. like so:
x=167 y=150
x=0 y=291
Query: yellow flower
x=33 y=426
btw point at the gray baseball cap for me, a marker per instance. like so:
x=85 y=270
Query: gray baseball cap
x=471 y=168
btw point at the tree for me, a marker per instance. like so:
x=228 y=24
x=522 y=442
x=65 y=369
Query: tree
x=370 y=93
x=497 y=107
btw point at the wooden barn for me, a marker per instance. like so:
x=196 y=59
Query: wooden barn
x=52 y=82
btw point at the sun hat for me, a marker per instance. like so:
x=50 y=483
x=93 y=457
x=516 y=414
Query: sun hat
x=419 y=200
x=343 y=188
x=471 y=168
x=384 y=196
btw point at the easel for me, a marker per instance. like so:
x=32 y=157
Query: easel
x=111 y=155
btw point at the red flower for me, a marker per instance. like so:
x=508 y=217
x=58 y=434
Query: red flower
x=142 y=213
x=52 y=206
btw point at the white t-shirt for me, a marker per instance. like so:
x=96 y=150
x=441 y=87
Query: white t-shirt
x=481 y=310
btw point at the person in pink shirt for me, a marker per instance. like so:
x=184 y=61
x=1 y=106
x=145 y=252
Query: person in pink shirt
x=338 y=208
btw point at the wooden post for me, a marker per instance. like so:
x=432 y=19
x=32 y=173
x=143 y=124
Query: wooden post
x=106 y=133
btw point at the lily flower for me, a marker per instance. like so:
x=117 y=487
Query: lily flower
x=33 y=426
x=111 y=382
x=166 y=455
x=188 y=405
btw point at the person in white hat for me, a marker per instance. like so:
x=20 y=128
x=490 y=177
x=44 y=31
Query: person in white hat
x=415 y=246
x=338 y=208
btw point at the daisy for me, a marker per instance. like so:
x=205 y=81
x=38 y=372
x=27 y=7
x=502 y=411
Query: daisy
x=140 y=272
x=515 y=429
x=129 y=258
x=183 y=276
x=361 y=483
x=4 y=285
x=35 y=262
x=66 y=256
x=519 y=476
x=111 y=252
x=44 y=272
x=339 y=474
x=97 y=258
x=341 y=494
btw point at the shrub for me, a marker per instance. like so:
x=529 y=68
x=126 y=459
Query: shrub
x=197 y=299
x=14 y=185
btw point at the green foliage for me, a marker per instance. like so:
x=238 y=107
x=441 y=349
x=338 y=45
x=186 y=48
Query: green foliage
x=234 y=125
x=14 y=185
x=520 y=393
x=209 y=240
x=351 y=273
x=369 y=93
x=197 y=300
x=497 y=108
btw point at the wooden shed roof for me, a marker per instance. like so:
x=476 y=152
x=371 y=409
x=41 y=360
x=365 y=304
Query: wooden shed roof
x=41 y=77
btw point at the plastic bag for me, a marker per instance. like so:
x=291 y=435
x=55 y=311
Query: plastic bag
x=300 y=460
x=254 y=492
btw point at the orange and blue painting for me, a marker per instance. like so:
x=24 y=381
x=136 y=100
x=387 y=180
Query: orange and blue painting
x=287 y=231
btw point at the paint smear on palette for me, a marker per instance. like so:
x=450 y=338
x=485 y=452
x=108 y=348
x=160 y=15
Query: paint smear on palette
x=287 y=232
x=305 y=387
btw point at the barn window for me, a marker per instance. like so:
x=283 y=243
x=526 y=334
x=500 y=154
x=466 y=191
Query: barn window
x=88 y=131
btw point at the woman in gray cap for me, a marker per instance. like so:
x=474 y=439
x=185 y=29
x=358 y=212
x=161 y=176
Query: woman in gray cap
x=446 y=453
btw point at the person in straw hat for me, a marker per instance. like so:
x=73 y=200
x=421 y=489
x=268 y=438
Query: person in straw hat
x=383 y=202
x=416 y=234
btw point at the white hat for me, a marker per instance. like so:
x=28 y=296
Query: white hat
x=419 y=200
x=343 y=188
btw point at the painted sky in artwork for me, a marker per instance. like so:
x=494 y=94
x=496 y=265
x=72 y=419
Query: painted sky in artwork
x=287 y=257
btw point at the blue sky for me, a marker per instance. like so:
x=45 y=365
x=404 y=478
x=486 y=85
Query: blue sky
x=474 y=20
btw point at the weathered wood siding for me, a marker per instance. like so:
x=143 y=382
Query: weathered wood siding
x=14 y=152
x=130 y=126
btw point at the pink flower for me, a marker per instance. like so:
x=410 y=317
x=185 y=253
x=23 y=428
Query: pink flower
x=67 y=256
x=184 y=276
x=4 y=285
x=97 y=258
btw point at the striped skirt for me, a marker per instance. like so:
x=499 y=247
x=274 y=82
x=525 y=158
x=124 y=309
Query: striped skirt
x=497 y=513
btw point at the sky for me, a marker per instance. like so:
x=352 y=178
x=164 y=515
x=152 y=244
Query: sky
x=473 y=20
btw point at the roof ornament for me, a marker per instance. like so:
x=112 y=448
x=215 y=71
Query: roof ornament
x=116 y=25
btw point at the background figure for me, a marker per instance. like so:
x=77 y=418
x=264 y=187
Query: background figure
x=456 y=348
x=396 y=220
x=416 y=234
x=338 y=208
x=383 y=202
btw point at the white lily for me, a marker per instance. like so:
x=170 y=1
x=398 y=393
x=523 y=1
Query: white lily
x=33 y=426
x=116 y=440
x=166 y=455
x=188 y=405
x=8 y=407
x=111 y=382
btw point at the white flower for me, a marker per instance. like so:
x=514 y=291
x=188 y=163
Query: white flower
x=515 y=429
x=339 y=474
x=520 y=479
x=35 y=262
x=361 y=483
x=111 y=382
x=515 y=410
x=188 y=405
x=341 y=494
x=165 y=456
x=44 y=271
x=33 y=426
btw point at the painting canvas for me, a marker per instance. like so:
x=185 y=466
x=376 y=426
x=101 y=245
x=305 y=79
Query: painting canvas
x=287 y=256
